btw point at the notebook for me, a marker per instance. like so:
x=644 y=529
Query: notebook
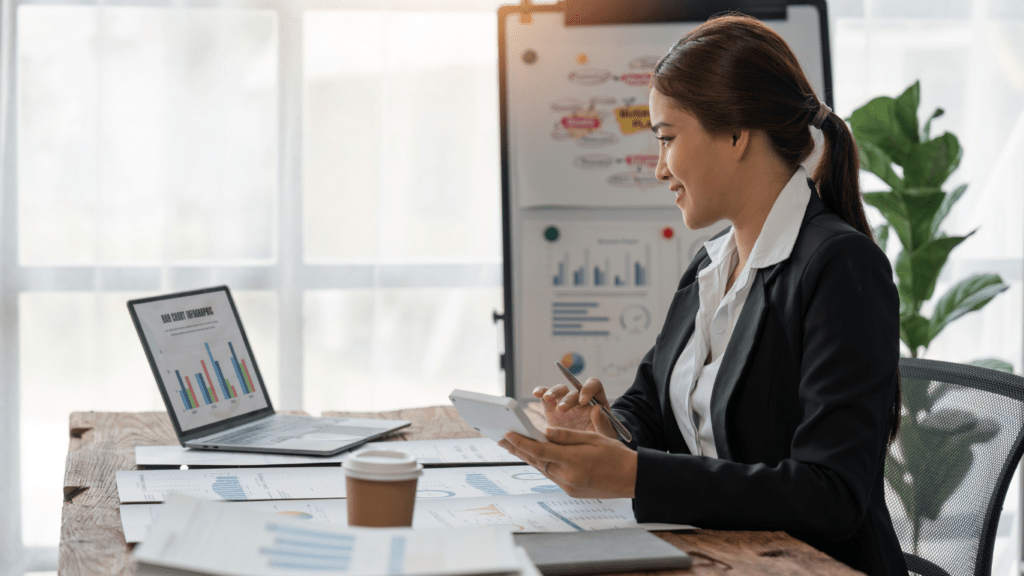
x=601 y=551
x=212 y=387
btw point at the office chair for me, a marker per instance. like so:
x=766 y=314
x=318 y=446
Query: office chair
x=947 y=474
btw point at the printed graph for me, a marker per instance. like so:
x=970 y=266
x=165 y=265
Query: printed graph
x=576 y=319
x=308 y=549
x=484 y=484
x=632 y=266
x=229 y=488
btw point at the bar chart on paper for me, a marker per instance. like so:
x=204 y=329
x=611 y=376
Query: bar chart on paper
x=296 y=548
x=601 y=289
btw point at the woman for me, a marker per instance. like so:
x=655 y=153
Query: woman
x=768 y=399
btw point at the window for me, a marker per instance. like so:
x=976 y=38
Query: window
x=335 y=163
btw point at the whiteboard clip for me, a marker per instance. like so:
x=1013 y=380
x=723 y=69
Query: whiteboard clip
x=525 y=17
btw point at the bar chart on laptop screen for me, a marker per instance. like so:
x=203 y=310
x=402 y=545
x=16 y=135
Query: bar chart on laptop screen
x=200 y=353
x=206 y=382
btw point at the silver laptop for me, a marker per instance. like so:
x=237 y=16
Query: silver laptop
x=212 y=387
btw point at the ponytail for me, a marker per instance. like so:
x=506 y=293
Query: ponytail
x=838 y=173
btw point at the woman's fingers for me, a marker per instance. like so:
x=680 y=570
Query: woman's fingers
x=593 y=388
x=569 y=401
x=584 y=464
x=555 y=393
x=601 y=423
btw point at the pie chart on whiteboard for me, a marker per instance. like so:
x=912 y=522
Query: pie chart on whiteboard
x=573 y=362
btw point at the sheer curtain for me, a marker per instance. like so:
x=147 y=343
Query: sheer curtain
x=335 y=163
x=969 y=57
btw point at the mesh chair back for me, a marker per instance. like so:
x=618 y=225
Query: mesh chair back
x=947 y=473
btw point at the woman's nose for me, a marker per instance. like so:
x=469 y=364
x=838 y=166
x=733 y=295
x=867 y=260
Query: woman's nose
x=661 y=171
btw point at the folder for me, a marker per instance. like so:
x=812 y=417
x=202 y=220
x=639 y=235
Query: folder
x=601 y=551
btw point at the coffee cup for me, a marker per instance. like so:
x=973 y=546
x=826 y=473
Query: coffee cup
x=381 y=487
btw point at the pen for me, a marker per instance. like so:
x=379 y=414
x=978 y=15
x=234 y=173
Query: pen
x=623 y=432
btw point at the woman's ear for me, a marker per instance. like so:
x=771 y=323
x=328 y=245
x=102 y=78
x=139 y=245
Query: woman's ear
x=740 y=141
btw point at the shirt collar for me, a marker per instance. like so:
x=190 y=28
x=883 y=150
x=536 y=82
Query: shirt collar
x=778 y=235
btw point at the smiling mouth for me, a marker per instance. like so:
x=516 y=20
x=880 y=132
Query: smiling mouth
x=678 y=191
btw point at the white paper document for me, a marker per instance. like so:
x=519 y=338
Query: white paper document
x=450 y=452
x=595 y=294
x=322 y=482
x=137 y=519
x=232 y=484
x=445 y=483
x=533 y=513
x=523 y=513
x=194 y=535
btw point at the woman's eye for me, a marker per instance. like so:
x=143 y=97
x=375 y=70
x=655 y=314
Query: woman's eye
x=664 y=139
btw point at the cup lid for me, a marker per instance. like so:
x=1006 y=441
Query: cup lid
x=382 y=465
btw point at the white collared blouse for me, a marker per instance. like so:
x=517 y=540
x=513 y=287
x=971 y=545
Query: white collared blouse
x=693 y=377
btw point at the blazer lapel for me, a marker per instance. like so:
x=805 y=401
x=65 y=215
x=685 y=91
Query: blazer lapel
x=737 y=356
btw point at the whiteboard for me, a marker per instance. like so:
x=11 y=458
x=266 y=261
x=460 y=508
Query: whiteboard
x=594 y=244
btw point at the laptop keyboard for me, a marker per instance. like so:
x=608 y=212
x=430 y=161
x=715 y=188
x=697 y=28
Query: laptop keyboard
x=266 y=432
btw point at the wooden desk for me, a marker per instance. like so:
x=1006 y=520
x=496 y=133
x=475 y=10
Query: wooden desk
x=92 y=542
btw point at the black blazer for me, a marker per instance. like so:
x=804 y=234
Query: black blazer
x=801 y=407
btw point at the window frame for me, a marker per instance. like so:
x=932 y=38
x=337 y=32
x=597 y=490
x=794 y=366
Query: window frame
x=286 y=273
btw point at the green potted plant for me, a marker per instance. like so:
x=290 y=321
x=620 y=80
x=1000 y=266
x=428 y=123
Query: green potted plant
x=888 y=137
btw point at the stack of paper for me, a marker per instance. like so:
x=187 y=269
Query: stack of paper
x=203 y=537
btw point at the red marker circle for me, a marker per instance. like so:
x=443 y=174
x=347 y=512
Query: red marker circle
x=668 y=232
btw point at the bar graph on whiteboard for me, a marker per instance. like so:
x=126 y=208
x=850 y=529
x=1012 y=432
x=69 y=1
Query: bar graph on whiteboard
x=599 y=291
x=628 y=270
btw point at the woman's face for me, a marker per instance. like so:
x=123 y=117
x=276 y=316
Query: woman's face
x=697 y=165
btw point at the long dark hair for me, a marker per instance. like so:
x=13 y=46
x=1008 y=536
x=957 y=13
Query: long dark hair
x=734 y=73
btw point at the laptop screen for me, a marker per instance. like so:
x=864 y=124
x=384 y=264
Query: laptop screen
x=200 y=357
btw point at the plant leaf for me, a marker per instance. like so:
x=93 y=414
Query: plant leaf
x=966 y=296
x=906 y=111
x=921 y=206
x=993 y=364
x=947 y=204
x=918 y=270
x=930 y=163
x=895 y=473
x=875 y=160
x=892 y=207
x=876 y=122
x=915 y=396
x=914 y=331
x=881 y=233
x=910 y=213
x=928 y=124
x=946 y=436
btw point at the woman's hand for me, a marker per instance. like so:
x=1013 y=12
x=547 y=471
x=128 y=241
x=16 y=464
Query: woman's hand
x=564 y=407
x=584 y=464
